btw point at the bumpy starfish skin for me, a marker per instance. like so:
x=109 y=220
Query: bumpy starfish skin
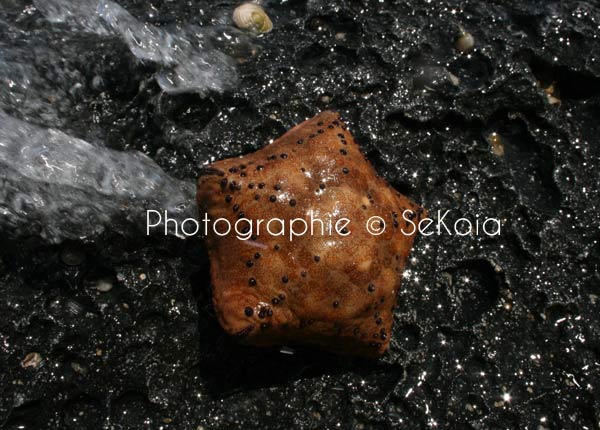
x=336 y=292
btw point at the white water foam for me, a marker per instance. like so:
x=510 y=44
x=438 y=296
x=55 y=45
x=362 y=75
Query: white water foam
x=59 y=187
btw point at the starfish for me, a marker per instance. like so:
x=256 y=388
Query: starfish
x=335 y=291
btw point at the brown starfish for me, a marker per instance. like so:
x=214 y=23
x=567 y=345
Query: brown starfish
x=336 y=291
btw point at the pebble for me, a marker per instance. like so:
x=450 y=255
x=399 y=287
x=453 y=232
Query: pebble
x=33 y=359
x=104 y=285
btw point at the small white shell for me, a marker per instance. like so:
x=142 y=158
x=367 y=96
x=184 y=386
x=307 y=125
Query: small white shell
x=33 y=359
x=104 y=285
x=496 y=144
x=252 y=17
x=552 y=95
x=454 y=79
x=465 y=42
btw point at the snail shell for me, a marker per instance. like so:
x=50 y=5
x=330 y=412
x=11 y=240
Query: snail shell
x=252 y=17
x=465 y=42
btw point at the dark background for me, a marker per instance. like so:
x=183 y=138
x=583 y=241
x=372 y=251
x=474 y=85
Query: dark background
x=490 y=333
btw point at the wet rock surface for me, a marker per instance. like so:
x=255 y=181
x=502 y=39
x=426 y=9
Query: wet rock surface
x=490 y=332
